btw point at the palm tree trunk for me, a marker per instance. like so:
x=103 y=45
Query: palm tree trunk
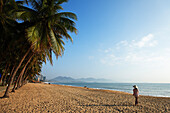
x=25 y=74
x=4 y=73
x=4 y=79
x=15 y=83
x=6 y=95
x=24 y=80
x=19 y=82
x=12 y=70
x=21 y=74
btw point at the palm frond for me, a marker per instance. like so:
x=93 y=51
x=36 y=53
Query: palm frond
x=61 y=1
x=61 y=30
x=69 y=24
x=67 y=14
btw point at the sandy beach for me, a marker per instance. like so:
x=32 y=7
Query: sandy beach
x=38 y=98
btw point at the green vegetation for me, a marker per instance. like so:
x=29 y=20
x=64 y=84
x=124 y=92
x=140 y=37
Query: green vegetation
x=29 y=36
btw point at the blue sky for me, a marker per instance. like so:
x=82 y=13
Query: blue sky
x=120 y=40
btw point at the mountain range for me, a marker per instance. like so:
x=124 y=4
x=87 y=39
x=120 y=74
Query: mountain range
x=70 y=79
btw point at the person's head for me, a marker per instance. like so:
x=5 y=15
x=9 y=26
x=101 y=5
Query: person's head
x=135 y=86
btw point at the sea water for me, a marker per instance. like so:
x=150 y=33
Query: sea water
x=148 y=89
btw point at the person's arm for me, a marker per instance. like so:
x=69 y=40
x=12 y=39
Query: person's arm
x=137 y=92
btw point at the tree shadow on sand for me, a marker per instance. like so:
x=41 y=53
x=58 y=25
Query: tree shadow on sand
x=105 y=105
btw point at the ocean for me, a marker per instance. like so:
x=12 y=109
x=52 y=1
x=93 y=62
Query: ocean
x=147 y=89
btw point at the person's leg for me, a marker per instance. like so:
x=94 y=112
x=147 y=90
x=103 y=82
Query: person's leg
x=136 y=100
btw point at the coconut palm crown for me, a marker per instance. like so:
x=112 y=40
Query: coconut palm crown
x=47 y=27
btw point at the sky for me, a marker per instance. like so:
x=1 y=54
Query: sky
x=119 y=40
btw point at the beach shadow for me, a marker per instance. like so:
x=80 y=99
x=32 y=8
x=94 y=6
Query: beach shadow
x=4 y=97
x=104 y=105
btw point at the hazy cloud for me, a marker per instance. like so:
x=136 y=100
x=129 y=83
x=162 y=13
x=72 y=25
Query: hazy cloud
x=91 y=57
x=146 y=41
x=135 y=52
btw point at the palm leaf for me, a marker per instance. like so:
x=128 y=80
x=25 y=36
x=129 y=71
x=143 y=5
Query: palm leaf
x=67 y=14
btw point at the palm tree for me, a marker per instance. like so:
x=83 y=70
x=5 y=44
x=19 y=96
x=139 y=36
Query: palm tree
x=45 y=28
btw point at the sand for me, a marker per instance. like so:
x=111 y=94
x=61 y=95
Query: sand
x=39 y=98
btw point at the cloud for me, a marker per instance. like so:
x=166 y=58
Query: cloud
x=146 y=58
x=110 y=59
x=91 y=57
x=146 y=41
x=108 y=50
x=142 y=51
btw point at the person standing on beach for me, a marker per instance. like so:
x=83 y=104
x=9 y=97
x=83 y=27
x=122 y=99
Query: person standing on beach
x=136 y=94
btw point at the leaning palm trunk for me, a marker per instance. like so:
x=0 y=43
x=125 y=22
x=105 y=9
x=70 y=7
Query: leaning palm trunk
x=13 y=70
x=4 y=79
x=6 y=95
x=4 y=73
x=21 y=74
x=22 y=81
x=15 y=83
x=25 y=76
x=19 y=82
x=25 y=80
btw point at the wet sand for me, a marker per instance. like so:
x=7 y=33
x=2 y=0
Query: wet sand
x=35 y=97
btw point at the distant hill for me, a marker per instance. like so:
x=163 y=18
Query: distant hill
x=62 y=79
x=93 y=80
x=70 y=79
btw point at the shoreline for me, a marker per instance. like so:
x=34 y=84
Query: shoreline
x=114 y=91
